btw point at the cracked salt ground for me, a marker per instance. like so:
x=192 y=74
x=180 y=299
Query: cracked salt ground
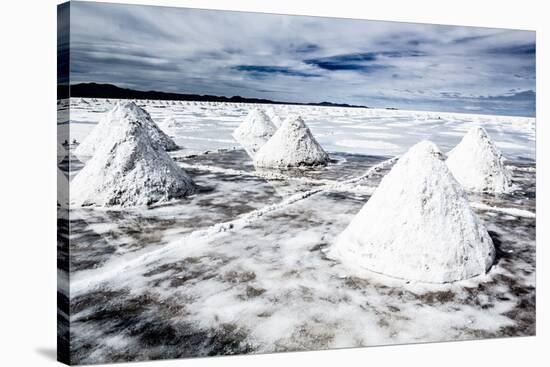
x=100 y=235
x=263 y=288
x=342 y=166
x=97 y=235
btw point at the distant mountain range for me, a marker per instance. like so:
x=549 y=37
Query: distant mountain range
x=94 y=90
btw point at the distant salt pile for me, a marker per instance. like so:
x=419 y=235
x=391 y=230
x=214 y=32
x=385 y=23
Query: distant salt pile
x=254 y=131
x=293 y=145
x=478 y=165
x=124 y=110
x=170 y=123
x=128 y=167
x=417 y=225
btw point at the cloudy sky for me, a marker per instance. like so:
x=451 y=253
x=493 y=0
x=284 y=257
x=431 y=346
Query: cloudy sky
x=304 y=59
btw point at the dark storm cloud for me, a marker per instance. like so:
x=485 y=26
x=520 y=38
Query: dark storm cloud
x=304 y=59
x=521 y=50
x=471 y=39
x=63 y=43
x=525 y=96
x=263 y=70
x=362 y=62
x=307 y=48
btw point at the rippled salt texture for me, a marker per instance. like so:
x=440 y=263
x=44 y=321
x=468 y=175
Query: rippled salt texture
x=231 y=270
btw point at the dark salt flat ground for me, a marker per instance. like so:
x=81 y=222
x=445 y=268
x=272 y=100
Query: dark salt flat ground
x=153 y=283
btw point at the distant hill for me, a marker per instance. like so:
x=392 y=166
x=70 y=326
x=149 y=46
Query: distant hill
x=94 y=90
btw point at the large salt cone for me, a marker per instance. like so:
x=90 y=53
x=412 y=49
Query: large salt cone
x=478 y=165
x=293 y=145
x=128 y=111
x=254 y=131
x=418 y=225
x=128 y=168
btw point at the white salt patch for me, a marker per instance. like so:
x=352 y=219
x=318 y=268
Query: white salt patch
x=369 y=144
x=478 y=165
x=292 y=145
x=372 y=127
x=205 y=139
x=418 y=225
x=512 y=211
x=522 y=169
x=254 y=132
x=378 y=135
x=128 y=168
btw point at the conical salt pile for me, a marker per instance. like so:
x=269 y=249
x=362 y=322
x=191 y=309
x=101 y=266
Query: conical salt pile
x=129 y=168
x=478 y=165
x=254 y=131
x=119 y=111
x=417 y=225
x=292 y=145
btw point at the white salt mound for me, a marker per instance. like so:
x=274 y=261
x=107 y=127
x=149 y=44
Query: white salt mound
x=170 y=123
x=124 y=110
x=292 y=145
x=418 y=225
x=254 y=131
x=129 y=168
x=478 y=165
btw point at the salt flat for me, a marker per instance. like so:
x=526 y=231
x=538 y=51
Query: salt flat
x=385 y=132
x=229 y=270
